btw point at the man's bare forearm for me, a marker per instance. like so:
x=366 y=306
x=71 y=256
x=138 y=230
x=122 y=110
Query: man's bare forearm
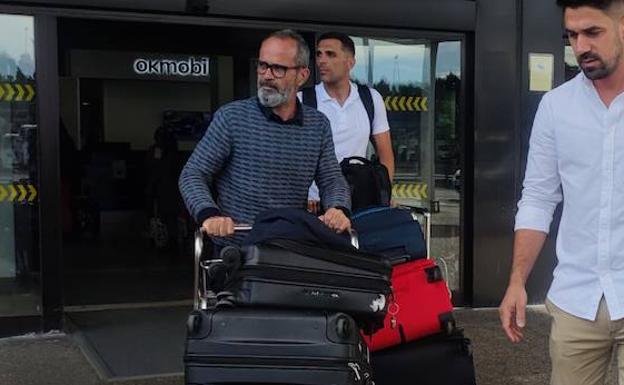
x=527 y=247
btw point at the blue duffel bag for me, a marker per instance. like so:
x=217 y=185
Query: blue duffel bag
x=391 y=231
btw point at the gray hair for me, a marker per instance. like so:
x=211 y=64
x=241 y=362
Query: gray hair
x=303 y=51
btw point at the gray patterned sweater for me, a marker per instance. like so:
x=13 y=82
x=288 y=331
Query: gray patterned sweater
x=249 y=161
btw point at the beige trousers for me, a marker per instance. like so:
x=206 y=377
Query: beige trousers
x=581 y=350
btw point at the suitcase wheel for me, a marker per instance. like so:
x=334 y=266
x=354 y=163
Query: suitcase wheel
x=231 y=257
x=225 y=303
x=216 y=271
x=193 y=322
x=434 y=274
x=224 y=295
x=343 y=328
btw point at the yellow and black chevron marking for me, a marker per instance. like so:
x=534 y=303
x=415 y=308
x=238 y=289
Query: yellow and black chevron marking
x=406 y=103
x=15 y=92
x=16 y=192
x=410 y=190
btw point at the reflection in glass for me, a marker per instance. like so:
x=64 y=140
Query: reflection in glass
x=399 y=69
x=19 y=263
x=420 y=81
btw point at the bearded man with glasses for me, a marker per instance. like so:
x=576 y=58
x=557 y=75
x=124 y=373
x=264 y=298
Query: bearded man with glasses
x=265 y=151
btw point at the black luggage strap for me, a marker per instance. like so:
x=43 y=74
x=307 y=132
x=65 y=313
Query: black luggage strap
x=308 y=96
x=352 y=259
x=369 y=106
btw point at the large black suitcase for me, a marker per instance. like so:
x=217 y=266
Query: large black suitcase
x=259 y=346
x=290 y=274
x=437 y=360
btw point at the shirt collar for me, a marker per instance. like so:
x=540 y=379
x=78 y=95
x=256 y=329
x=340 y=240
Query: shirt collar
x=270 y=115
x=589 y=86
x=324 y=96
x=585 y=81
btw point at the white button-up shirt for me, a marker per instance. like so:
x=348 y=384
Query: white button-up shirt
x=577 y=152
x=351 y=128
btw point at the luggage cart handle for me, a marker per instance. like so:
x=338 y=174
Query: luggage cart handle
x=200 y=233
x=198 y=297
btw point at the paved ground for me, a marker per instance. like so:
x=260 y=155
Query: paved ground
x=57 y=359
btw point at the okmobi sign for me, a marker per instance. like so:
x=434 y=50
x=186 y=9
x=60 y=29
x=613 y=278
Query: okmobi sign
x=139 y=65
x=191 y=66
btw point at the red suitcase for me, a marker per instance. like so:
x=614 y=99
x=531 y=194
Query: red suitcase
x=421 y=305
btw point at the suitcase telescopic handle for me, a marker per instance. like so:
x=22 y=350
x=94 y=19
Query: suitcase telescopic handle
x=427 y=232
x=416 y=211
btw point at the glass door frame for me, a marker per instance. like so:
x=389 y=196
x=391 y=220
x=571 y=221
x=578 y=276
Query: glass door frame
x=463 y=296
x=46 y=52
x=50 y=317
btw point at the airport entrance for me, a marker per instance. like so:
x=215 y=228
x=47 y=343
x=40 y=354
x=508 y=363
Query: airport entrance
x=135 y=100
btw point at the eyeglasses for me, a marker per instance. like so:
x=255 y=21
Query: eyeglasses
x=278 y=70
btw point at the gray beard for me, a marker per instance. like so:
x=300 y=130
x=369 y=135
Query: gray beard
x=270 y=97
x=597 y=73
x=605 y=69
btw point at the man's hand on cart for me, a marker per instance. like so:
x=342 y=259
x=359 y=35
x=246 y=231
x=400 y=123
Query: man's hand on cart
x=336 y=220
x=218 y=226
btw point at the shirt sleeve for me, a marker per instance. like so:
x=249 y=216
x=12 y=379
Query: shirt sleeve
x=380 y=121
x=542 y=183
x=208 y=158
x=333 y=188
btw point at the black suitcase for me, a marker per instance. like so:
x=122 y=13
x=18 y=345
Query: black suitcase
x=290 y=274
x=437 y=360
x=259 y=346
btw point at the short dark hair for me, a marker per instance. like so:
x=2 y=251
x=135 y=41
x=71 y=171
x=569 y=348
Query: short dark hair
x=603 y=5
x=347 y=43
x=303 y=52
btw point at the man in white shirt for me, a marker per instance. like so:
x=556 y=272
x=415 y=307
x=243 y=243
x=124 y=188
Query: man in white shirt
x=577 y=152
x=338 y=98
